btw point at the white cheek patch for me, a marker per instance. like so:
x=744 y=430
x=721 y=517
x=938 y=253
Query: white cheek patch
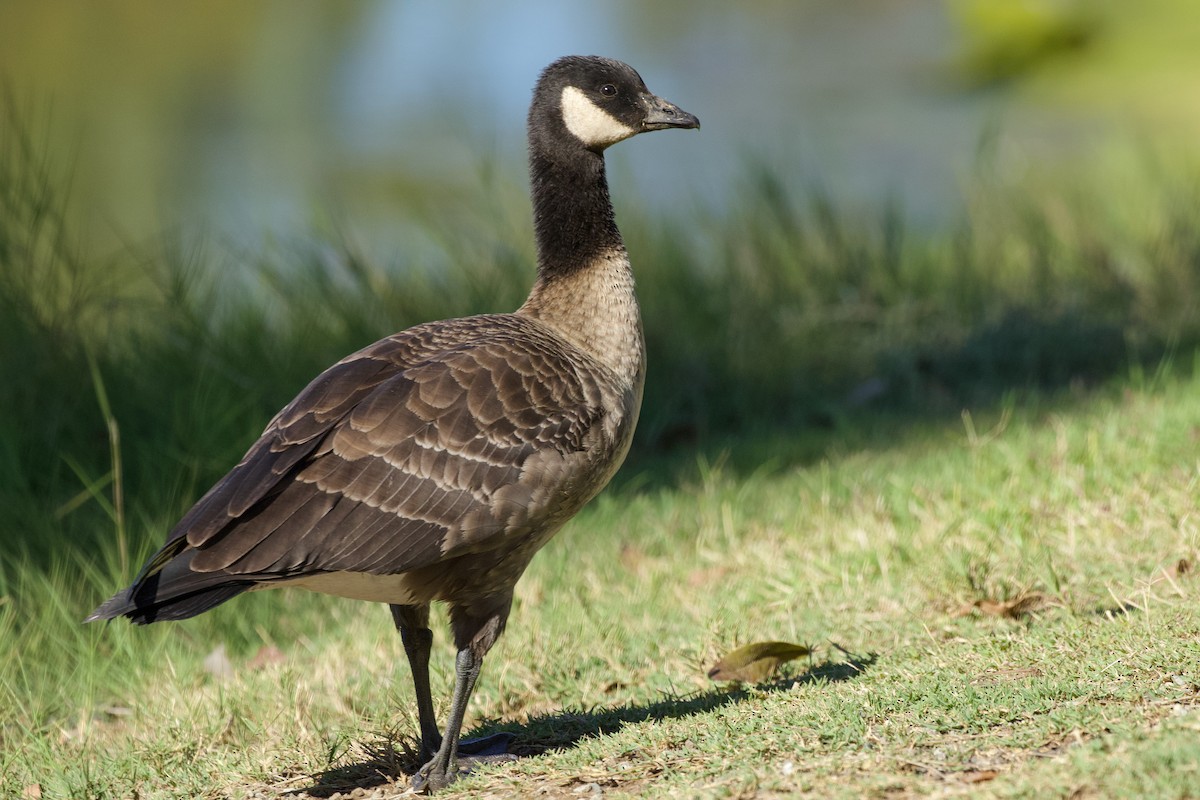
x=589 y=123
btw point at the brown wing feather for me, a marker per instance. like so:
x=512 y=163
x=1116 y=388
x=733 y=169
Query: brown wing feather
x=405 y=453
x=288 y=439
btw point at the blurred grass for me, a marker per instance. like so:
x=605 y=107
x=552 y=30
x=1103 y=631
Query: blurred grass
x=788 y=310
x=784 y=331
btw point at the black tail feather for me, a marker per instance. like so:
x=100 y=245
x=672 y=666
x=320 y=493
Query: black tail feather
x=173 y=592
x=143 y=611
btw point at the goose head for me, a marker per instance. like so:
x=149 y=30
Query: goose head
x=594 y=102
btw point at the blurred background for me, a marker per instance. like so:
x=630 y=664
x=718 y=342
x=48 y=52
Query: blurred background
x=242 y=119
x=895 y=210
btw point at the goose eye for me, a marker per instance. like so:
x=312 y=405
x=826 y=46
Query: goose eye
x=608 y=90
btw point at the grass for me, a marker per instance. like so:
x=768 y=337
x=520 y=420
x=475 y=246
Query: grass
x=1002 y=599
x=883 y=546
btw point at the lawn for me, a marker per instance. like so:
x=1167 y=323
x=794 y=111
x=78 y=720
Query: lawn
x=1002 y=605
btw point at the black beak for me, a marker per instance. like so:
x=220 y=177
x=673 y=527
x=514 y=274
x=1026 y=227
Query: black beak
x=661 y=115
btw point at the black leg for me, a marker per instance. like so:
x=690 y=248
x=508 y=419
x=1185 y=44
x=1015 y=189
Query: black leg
x=442 y=769
x=476 y=628
x=413 y=624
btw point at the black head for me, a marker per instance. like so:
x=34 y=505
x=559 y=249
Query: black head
x=599 y=102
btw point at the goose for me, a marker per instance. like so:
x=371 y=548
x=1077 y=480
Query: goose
x=433 y=464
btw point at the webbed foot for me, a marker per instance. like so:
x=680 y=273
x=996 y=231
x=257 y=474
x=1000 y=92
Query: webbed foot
x=493 y=749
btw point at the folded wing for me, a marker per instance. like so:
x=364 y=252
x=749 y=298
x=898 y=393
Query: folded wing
x=440 y=441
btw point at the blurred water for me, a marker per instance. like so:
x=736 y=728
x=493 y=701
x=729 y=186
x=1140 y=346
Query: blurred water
x=239 y=118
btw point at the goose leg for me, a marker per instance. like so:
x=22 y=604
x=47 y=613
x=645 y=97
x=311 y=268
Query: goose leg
x=474 y=635
x=442 y=769
x=413 y=624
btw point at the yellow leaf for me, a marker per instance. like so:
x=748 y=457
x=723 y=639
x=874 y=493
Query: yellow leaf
x=754 y=663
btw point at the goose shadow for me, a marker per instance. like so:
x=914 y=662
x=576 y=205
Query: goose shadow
x=392 y=759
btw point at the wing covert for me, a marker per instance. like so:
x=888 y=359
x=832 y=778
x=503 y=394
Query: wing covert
x=383 y=467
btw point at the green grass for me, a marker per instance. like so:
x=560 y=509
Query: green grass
x=804 y=471
x=881 y=546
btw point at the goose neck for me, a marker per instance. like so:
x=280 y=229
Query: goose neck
x=572 y=210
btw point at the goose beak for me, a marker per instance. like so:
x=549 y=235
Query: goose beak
x=661 y=115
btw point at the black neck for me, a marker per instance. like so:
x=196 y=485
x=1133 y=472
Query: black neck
x=572 y=212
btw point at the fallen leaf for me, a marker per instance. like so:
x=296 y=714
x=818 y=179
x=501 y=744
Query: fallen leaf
x=266 y=655
x=754 y=663
x=32 y=792
x=218 y=664
x=979 y=776
x=632 y=557
x=117 y=711
x=703 y=577
x=1007 y=675
x=1021 y=606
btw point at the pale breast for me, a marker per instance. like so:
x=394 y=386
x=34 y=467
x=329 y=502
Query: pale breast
x=396 y=589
